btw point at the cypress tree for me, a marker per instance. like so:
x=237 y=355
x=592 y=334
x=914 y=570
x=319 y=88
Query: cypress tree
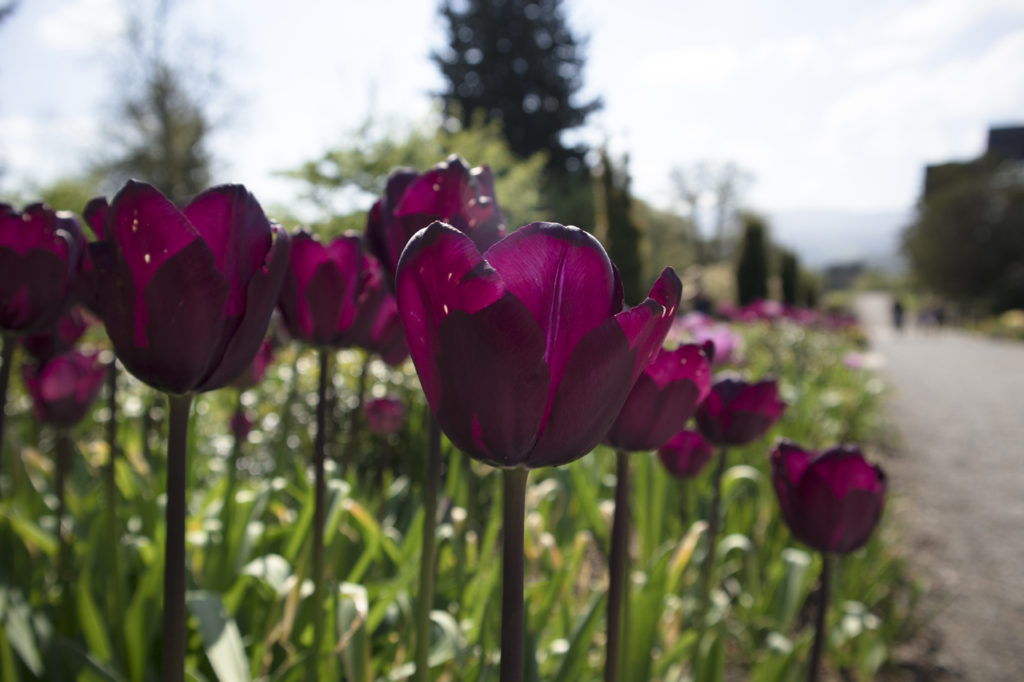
x=752 y=268
x=789 y=273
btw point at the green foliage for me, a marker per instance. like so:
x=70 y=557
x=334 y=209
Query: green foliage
x=670 y=239
x=967 y=243
x=359 y=168
x=249 y=552
x=752 y=266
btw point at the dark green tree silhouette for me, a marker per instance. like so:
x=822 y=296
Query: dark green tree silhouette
x=967 y=242
x=162 y=129
x=616 y=227
x=752 y=267
x=519 y=62
x=789 y=273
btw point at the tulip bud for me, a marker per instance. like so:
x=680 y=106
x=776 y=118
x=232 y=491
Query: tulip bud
x=831 y=501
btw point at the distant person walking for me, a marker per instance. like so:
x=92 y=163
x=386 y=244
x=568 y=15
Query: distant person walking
x=897 y=315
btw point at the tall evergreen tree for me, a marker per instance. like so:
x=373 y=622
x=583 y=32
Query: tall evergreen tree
x=789 y=273
x=752 y=268
x=163 y=129
x=518 y=61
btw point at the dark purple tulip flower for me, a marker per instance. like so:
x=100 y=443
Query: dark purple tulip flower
x=65 y=387
x=331 y=291
x=525 y=353
x=737 y=412
x=384 y=415
x=59 y=338
x=253 y=374
x=186 y=295
x=40 y=255
x=831 y=501
x=663 y=399
x=387 y=335
x=450 y=192
x=686 y=454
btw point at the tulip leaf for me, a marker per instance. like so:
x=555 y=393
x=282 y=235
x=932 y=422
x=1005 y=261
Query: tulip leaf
x=16 y=621
x=90 y=621
x=574 y=664
x=221 y=639
x=353 y=609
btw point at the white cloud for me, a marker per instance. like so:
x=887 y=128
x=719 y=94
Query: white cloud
x=40 y=150
x=80 y=26
x=691 y=66
x=936 y=20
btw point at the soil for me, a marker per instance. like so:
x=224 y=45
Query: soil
x=956 y=477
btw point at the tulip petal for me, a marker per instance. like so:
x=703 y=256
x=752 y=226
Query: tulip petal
x=261 y=299
x=564 y=277
x=383 y=238
x=237 y=232
x=590 y=395
x=148 y=230
x=37 y=227
x=95 y=215
x=34 y=289
x=452 y=193
x=652 y=415
x=647 y=324
x=440 y=272
x=186 y=324
x=685 y=454
x=495 y=383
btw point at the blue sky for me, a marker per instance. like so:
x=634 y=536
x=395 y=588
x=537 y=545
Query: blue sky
x=832 y=105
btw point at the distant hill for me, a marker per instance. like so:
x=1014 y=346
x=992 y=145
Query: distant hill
x=822 y=237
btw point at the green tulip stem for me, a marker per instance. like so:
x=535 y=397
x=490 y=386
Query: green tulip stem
x=64 y=447
x=227 y=514
x=714 y=522
x=110 y=482
x=618 y=568
x=820 y=633
x=512 y=605
x=319 y=513
x=8 y=342
x=428 y=559
x=174 y=641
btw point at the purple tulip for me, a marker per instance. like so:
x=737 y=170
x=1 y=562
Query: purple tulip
x=59 y=338
x=186 y=296
x=525 y=354
x=387 y=335
x=252 y=375
x=831 y=501
x=663 y=399
x=451 y=192
x=64 y=388
x=40 y=254
x=384 y=415
x=331 y=292
x=686 y=454
x=241 y=425
x=737 y=412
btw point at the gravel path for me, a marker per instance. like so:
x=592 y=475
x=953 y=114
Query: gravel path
x=958 y=403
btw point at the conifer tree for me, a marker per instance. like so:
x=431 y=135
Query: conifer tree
x=519 y=62
x=752 y=268
x=789 y=273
